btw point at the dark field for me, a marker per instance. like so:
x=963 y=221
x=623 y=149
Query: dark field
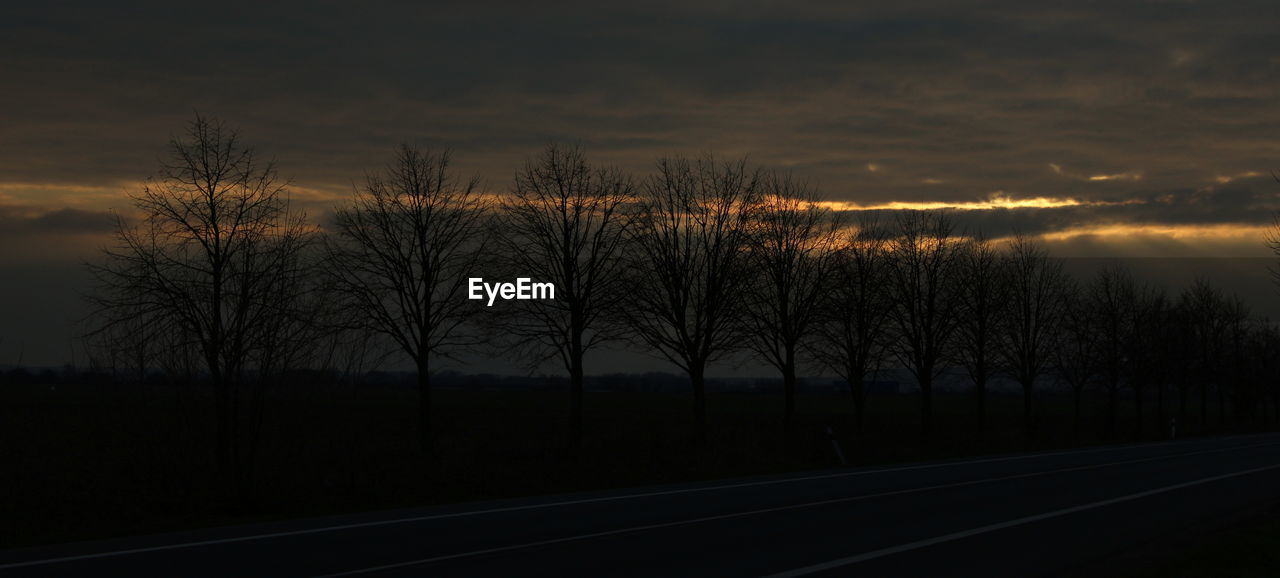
x=1250 y=549
x=80 y=462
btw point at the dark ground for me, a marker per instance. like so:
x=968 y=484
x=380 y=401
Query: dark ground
x=1249 y=548
x=82 y=462
x=1058 y=513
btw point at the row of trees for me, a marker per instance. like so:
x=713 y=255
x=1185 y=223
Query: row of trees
x=221 y=277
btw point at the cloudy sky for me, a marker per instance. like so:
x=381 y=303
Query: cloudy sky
x=1112 y=128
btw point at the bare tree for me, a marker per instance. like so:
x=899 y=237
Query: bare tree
x=1258 y=383
x=1112 y=296
x=214 y=266
x=791 y=246
x=130 y=347
x=1076 y=357
x=690 y=243
x=402 y=253
x=1148 y=333
x=1235 y=320
x=982 y=294
x=1273 y=239
x=925 y=262
x=565 y=222
x=853 y=332
x=1036 y=286
x=1164 y=353
x=1202 y=306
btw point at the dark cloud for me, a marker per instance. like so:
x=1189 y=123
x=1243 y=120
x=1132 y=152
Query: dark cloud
x=981 y=97
x=26 y=221
x=1175 y=100
x=947 y=102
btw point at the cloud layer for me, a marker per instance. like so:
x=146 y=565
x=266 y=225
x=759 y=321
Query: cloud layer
x=1144 y=112
x=1157 y=121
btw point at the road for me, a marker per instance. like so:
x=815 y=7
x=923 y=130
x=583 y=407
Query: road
x=1015 y=515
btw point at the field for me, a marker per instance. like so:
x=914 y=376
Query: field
x=1245 y=550
x=90 y=461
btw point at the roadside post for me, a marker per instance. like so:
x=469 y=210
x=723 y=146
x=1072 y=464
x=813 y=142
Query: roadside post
x=835 y=445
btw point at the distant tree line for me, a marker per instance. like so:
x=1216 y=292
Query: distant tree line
x=222 y=279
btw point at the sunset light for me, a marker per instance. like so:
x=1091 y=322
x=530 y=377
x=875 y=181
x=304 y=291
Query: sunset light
x=640 y=289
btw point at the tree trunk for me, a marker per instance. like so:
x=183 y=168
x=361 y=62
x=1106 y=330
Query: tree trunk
x=575 y=400
x=858 y=388
x=1028 y=418
x=1113 y=391
x=425 y=431
x=1204 y=405
x=576 y=353
x=926 y=406
x=698 y=381
x=980 y=389
x=1076 y=393
x=237 y=444
x=222 y=417
x=789 y=397
x=1222 y=404
x=1162 y=417
x=1137 y=410
x=1184 y=410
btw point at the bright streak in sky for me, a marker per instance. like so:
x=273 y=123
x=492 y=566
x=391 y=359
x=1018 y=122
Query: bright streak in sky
x=997 y=200
x=1133 y=176
x=1223 y=231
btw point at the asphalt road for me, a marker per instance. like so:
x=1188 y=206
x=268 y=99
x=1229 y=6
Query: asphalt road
x=1055 y=513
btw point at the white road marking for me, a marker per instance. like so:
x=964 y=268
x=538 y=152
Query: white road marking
x=837 y=563
x=394 y=521
x=646 y=527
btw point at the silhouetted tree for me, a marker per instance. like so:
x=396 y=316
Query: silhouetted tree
x=402 y=253
x=1263 y=353
x=1076 y=357
x=1112 y=296
x=853 y=332
x=1202 y=306
x=1147 y=333
x=924 y=267
x=565 y=222
x=1036 y=286
x=1272 y=238
x=690 y=266
x=982 y=294
x=130 y=346
x=1235 y=320
x=791 y=243
x=1166 y=355
x=214 y=265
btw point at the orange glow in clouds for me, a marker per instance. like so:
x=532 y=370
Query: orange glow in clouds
x=997 y=200
x=1121 y=231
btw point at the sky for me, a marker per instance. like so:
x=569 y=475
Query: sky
x=1135 y=129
